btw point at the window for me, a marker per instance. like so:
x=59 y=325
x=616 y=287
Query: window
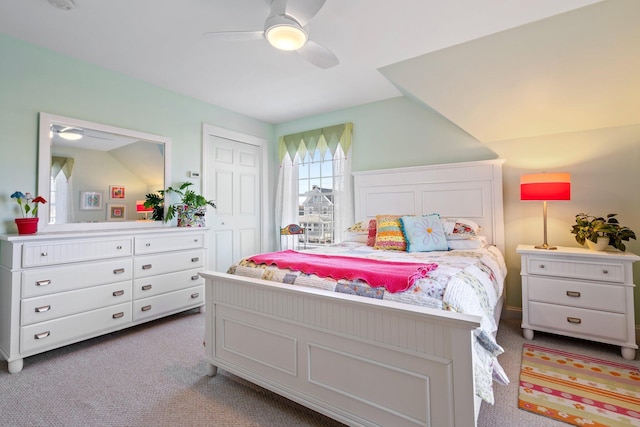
x=315 y=196
x=314 y=189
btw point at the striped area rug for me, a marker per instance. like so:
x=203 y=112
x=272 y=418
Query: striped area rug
x=578 y=390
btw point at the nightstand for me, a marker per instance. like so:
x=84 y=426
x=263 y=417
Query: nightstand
x=579 y=293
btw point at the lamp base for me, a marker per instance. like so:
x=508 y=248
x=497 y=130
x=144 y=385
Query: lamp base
x=546 y=247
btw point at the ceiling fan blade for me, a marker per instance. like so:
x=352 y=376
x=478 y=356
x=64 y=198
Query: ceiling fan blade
x=318 y=55
x=235 y=35
x=303 y=10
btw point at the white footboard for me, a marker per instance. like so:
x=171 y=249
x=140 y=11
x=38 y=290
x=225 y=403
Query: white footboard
x=360 y=361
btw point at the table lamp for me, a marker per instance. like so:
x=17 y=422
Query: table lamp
x=140 y=208
x=545 y=187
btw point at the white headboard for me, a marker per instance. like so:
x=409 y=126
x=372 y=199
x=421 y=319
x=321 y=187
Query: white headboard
x=462 y=190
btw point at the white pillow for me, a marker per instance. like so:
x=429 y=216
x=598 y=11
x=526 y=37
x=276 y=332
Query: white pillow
x=472 y=243
x=354 y=237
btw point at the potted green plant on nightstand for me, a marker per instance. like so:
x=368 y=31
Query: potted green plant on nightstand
x=602 y=231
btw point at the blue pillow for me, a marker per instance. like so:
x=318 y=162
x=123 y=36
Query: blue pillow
x=424 y=233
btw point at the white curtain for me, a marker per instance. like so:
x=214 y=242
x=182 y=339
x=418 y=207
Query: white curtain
x=61 y=172
x=342 y=193
x=287 y=195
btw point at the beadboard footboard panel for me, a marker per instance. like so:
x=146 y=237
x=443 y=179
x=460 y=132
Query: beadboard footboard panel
x=358 y=360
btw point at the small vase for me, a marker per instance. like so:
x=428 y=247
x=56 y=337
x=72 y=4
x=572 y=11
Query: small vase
x=188 y=217
x=600 y=245
x=27 y=225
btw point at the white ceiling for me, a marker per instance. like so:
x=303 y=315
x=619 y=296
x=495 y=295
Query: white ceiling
x=162 y=42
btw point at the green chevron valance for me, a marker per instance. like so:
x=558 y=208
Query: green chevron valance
x=306 y=143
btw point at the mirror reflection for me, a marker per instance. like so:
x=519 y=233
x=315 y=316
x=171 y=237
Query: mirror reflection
x=96 y=175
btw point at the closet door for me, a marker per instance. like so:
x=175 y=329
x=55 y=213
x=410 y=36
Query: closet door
x=232 y=177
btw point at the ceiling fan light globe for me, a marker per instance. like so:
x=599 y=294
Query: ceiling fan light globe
x=286 y=37
x=71 y=134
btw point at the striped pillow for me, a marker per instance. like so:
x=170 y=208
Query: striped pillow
x=389 y=235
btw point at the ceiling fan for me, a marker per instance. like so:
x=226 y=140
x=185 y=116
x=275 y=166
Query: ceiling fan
x=285 y=29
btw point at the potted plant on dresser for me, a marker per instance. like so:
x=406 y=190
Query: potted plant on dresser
x=190 y=210
x=599 y=232
x=28 y=223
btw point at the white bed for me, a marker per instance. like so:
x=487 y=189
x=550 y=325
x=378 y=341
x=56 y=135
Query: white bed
x=358 y=360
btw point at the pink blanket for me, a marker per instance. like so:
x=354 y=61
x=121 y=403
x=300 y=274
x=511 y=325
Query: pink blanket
x=394 y=276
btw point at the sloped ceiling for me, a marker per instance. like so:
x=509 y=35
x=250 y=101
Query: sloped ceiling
x=571 y=72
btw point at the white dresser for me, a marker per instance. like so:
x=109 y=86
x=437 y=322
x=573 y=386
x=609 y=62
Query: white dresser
x=60 y=288
x=579 y=293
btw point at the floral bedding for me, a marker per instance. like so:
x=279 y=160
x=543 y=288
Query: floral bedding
x=465 y=281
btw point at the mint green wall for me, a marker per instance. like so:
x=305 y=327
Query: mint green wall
x=397 y=132
x=33 y=79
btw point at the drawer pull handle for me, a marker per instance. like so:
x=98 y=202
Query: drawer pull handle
x=118 y=271
x=146 y=267
x=43 y=282
x=119 y=247
x=605 y=271
x=42 y=335
x=542 y=266
x=43 y=309
x=194 y=296
x=575 y=320
x=574 y=294
x=148 y=244
x=43 y=254
x=118 y=315
x=195 y=277
x=195 y=240
x=146 y=287
x=146 y=308
x=195 y=259
x=118 y=293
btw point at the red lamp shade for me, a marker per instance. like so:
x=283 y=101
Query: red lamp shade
x=545 y=186
x=140 y=207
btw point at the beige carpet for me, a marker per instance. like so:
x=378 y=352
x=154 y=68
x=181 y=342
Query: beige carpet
x=155 y=375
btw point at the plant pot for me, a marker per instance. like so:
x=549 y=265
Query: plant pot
x=27 y=225
x=600 y=245
x=189 y=217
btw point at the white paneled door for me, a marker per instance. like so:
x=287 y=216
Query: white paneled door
x=232 y=177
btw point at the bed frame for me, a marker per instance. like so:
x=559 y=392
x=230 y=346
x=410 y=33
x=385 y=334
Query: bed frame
x=362 y=361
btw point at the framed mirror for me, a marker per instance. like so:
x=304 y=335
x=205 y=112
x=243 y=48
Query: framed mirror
x=95 y=176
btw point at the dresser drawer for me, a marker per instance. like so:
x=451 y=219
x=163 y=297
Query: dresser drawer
x=596 y=296
x=47 y=253
x=42 y=281
x=159 y=305
x=47 y=307
x=153 y=265
x=155 y=285
x=600 y=271
x=65 y=330
x=593 y=324
x=173 y=242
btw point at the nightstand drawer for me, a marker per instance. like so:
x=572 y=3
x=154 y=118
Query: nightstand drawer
x=578 y=321
x=601 y=297
x=608 y=272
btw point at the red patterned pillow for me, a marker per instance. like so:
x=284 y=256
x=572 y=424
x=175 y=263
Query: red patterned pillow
x=371 y=237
